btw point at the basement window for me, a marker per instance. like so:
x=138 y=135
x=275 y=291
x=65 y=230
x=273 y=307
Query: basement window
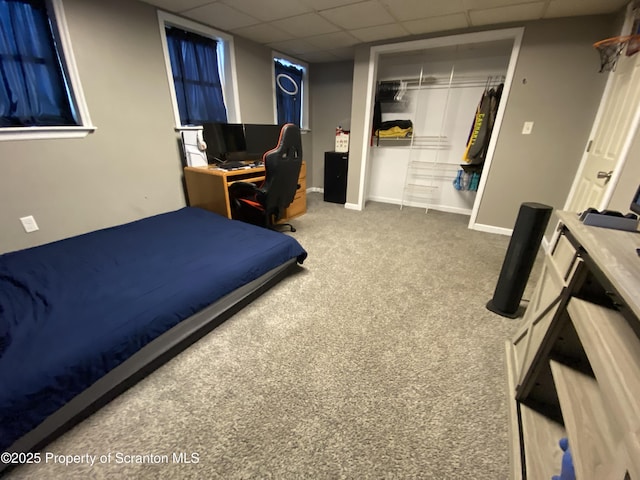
x=40 y=92
x=201 y=72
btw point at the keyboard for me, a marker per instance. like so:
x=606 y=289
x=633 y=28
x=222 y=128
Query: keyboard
x=233 y=165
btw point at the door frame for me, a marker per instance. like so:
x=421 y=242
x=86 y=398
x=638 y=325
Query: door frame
x=514 y=34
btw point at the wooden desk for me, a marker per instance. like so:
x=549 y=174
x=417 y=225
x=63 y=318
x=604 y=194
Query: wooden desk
x=208 y=188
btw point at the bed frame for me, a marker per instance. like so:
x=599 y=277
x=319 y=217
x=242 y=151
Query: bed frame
x=146 y=360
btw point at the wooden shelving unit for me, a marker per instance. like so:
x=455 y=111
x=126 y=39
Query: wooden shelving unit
x=577 y=373
x=586 y=421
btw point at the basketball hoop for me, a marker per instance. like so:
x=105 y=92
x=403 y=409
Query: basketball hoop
x=611 y=48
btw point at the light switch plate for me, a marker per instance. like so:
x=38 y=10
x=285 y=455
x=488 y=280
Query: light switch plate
x=527 y=128
x=29 y=224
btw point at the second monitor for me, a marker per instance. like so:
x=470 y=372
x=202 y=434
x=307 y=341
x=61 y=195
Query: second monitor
x=235 y=141
x=260 y=138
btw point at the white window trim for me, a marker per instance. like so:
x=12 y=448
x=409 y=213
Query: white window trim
x=79 y=104
x=305 y=88
x=229 y=76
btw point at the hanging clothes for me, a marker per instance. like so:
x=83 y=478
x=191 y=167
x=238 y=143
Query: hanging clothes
x=482 y=126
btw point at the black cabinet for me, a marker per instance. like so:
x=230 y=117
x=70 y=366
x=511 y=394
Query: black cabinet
x=335 y=177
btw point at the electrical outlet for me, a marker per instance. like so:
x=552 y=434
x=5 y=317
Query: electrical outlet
x=527 y=128
x=29 y=224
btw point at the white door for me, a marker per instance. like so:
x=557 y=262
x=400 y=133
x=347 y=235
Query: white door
x=620 y=113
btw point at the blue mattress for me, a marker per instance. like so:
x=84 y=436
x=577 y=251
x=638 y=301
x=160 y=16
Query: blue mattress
x=72 y=310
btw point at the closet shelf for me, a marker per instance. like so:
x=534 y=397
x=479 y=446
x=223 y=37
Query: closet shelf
x=425 y=142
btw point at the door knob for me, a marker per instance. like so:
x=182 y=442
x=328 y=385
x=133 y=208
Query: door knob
x=605 y=175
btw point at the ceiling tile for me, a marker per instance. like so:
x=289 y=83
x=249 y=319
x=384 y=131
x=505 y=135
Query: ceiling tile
x=269 y=10
x=263 y=33
x=514 y=13
x=380 y=32
x=332 y=40
x=482 y=4
x=175 y=6
x=412 y=9
x=319 y=5
x=360 y=15
x=436 y=24
x=306 y=25
x=568 y=8
x=318 y=57
x=295 y=46
x=221 y=16
x=344 y=53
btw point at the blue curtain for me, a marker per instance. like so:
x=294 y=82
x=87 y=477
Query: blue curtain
x=33 y=91
x=288 y=93
x=194 y=64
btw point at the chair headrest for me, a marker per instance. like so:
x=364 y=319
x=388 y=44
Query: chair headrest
x=289 y=143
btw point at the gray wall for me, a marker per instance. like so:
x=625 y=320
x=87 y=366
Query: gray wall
x=255 y=86
x=561 y=96
x=330 y=87
x=131 y=166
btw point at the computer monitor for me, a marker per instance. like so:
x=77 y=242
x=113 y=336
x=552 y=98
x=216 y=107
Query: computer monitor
x=260 y=138
x=635 y=203
x=225 y=142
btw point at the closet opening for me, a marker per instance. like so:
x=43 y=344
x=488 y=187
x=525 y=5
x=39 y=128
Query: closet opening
x=435 y=113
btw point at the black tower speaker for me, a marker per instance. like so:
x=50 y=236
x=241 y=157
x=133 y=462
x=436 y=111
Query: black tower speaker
x=525 y=241
x=335 y=176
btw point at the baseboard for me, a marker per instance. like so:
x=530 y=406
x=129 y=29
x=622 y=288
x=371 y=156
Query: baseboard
x=352 y=206
x=315 y=190
x=491 y=229
x=440 y=208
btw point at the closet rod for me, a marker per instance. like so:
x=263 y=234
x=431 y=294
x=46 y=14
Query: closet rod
x=460 y=82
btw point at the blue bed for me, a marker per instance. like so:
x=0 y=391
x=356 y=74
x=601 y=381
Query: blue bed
x=83 y=318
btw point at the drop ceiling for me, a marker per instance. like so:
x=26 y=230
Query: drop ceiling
x=328 y=30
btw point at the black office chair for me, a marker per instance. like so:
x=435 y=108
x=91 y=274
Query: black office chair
x=264 y=205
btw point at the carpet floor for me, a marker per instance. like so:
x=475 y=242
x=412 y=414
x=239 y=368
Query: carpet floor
x=378 y=359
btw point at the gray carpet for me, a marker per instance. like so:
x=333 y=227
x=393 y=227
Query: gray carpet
x=377 y=360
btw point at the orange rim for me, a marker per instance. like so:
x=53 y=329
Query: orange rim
x=613 y=40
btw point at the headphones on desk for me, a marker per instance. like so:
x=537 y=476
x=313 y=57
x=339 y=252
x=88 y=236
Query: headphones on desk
x=202 y=145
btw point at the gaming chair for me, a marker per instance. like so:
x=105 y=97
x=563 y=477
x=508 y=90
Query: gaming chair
x=264 y=205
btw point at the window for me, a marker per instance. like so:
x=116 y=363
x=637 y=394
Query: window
x=290 y=96
x=38 y=80
x=200 y=70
